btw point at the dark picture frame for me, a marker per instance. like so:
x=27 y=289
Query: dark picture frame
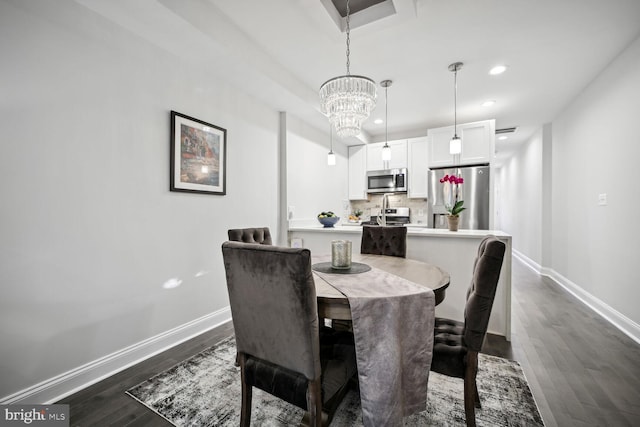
x=198 y=156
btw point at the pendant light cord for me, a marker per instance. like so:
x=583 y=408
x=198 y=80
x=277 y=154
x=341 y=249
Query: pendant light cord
x=386 y=116
x=455 y=103
x=330 y=140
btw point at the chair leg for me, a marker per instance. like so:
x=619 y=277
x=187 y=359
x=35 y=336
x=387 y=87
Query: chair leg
x=470 y=389
x=477 y=399
x=314 y=402
x=245 y=411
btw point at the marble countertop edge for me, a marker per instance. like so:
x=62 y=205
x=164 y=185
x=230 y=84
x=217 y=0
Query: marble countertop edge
x=411 y=231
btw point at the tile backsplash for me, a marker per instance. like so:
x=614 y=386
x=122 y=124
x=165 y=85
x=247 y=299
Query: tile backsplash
x=373 y=205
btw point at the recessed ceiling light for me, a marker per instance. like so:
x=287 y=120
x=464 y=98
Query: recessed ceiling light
x=498 y=69
x=502 y=138
x=488 y=103
x=378 y=121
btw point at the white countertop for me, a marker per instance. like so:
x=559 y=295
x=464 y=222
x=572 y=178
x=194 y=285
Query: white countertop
x=412 y=230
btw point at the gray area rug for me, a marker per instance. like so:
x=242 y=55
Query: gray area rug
x=205 y=391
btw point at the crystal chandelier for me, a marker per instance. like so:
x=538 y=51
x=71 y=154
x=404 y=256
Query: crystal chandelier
x=348 y=100
x=455 y=145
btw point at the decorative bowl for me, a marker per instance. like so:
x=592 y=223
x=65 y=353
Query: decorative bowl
x=329 y=221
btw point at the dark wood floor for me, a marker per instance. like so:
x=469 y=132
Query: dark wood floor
x=582 y=370
x=106 y=404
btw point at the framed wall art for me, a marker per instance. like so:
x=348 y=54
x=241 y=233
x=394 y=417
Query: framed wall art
x=198 y=156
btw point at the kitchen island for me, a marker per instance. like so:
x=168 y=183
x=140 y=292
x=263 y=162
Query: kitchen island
x=454 y=252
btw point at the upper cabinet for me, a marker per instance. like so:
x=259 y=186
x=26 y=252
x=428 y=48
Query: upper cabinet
x=398 y=156
x=418 y=169
x=478 y=143
x=358 y=172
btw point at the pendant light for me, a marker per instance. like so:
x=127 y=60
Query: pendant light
x=331 y=157
x=455 y=145
x=348 y=100
x=386 y=150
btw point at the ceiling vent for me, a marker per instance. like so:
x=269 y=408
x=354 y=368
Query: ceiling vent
x=362 y=12
x=506 y=131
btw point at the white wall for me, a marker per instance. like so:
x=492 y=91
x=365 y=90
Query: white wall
x=549 y=194
x=312 y=185
x=89 y=229
x=520 y=191
x=596 y=149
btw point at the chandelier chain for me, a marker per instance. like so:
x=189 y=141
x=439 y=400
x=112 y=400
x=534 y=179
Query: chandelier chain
x=348 y=39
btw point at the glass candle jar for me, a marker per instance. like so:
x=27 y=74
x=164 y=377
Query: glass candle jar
x=341 y=254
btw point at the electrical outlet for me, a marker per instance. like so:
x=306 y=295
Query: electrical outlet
x=602 y=199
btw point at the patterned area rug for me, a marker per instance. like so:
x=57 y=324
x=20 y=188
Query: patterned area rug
x=205 y=391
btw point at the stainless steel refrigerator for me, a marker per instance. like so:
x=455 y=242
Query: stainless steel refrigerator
x=474 y=191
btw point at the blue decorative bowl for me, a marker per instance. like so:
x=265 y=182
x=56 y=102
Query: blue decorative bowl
x=329 y=221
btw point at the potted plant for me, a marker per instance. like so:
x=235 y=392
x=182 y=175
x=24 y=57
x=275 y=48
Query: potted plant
x=452 y=193
x=355 y=215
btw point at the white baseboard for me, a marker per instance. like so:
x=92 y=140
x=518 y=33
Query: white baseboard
x=527 y=261
x=617 y=319
x=65 y=384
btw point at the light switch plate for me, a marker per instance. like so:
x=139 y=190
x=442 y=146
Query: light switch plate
x=602 y=199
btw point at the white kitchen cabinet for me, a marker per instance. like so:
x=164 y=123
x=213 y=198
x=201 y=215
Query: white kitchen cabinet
x=478 y=144
x=418 y=168
x=358 y=172
x=438 y=147
x=398 y=155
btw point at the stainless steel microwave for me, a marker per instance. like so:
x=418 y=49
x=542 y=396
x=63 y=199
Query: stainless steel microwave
x=387 y=181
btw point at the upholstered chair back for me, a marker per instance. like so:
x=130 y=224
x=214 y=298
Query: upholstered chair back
x=482 y=291
x=273 y=305
x=384 y=240
x=456 y=344
x=260 y=235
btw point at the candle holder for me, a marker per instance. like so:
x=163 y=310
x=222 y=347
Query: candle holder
x=341 y=254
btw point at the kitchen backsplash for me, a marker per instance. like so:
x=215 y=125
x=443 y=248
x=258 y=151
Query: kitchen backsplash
x=372 y=206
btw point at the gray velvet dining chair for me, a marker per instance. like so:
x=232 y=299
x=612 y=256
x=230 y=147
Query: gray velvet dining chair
x=457 y=344
x=260 y=235
x=281 y=347
x=388 y=240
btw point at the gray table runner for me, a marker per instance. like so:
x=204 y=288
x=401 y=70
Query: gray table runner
x=393 y=322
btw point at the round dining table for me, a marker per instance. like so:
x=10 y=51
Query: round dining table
x=332 y=304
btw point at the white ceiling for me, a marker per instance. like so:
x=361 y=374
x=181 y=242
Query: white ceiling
x=283 y=50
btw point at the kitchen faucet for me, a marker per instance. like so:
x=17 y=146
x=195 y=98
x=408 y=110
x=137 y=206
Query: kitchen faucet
x=382 y=219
